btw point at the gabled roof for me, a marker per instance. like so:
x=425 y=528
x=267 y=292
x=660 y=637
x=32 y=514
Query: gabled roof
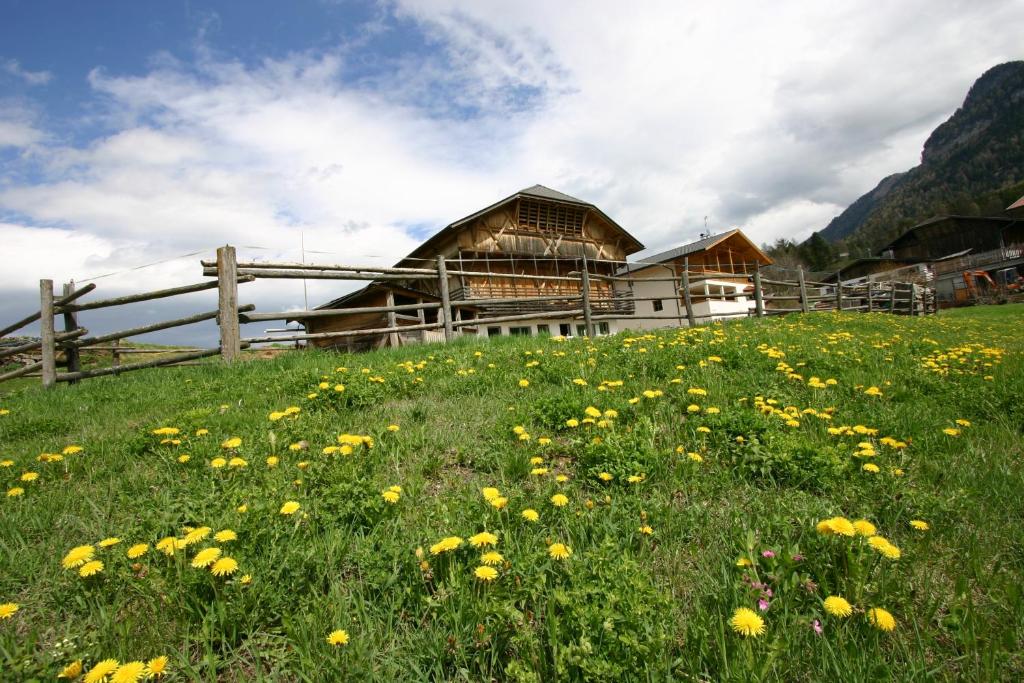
x=535 y=192
x=701 y=245
x=939 y=219
x=1019 y=204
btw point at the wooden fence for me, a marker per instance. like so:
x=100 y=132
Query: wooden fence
x=770 y=297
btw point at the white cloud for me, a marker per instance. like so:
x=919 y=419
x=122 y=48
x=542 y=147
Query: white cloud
x=14 y=68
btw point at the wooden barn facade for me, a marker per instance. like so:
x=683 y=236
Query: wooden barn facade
x=537 y=231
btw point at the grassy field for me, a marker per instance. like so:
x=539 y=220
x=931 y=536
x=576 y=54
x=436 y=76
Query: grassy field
x=701 y=499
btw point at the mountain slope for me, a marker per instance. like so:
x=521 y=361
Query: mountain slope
x=977 y=152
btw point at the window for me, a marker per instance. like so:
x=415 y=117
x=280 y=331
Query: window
x=581 y=330
x=565 y=329
x=544 y=330
x=493 y=331
x=602 y=328
x=558 y=218
x=519 y=331
x=658 y=305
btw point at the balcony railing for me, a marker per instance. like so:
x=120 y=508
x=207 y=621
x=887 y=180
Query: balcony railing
x=978 y=260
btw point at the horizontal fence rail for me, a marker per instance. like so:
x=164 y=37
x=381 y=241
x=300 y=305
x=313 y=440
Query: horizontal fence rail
x=590 y=291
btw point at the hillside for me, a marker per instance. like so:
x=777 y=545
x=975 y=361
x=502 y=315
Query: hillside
x=817 y=497
x=972 y=164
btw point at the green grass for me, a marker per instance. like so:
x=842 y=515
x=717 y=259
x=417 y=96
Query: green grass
x=625 y=605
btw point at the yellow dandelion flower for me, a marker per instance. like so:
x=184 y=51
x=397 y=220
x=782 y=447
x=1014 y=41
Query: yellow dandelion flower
x=243 y=508
x=918 y=524
x=204 y=558
x=572 y=422
x=559 y=551
x=646 y=530
x=499 y=503
x=100 y=672
x=747 y=622
x=837 y=606
x=72 y=670
x=530 y=515
x=485 y=573
x=202 y=432
x=605 y=476
x=130 y=672
x=90 y=568
x=338 y=637
x=233 y=442
x=393 y=428
x=743 y=562
x=539 y=471
x=196 y=535
x=8 y=609
x=524 y=383
x=30 y=476
x=559 y=500
x=490 y=493
x=237 y=462
x=107 y=542
x=184 y=458
x=224 y=566
x=446 y=545
x=217 y=463
x=290 y=508
x=167 y=545
x=78 y=556
x=390 y=496
x=881 y=619
x=15 y=491
x=482 y=539
x=137 y=551
x=864 y=528
x=156 y=667
x=951 y=432
x=245 y=580
x=493 y=558
x=884 y=547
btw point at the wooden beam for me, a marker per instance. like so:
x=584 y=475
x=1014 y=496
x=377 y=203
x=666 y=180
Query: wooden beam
x=46 y=334
x=149 y=296
x=58 y=303
x=227 y=303
x=100 y=372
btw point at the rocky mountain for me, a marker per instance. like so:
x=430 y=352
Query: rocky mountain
x=973 y=164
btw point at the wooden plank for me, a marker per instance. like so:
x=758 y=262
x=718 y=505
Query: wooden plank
x=691 y=319
x=153 y=327
x=332 y=312
x=261 y=265
x=21 y=372
x=803 y=289
x=35 y=316
x=71 y=323
x=393 y=339
x=343 y=333
x=572 y=313
x=588 y=313
x=46 y=334
x=147 y=296
x=227 y=303
x=100 y=372
x=758 y=291
x=669 y=316
x=296 y=274
x=32 y=346
x=446 y=304
x=839 y=293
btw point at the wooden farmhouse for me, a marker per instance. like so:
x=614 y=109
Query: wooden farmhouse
x=537 y=231
x=719 y=286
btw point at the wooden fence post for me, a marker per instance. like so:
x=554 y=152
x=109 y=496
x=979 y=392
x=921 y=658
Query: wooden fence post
x=71 y=323
x=588 y=321
x=46 y=333
x=392 y=320
x=115 y=356
x=839 y=293
x=687 y=301
x=803 y=289
x=227 y=304
x=871 y=301
x=913 y=299
x=446 y=302
x=892 y=298
x=758 y=291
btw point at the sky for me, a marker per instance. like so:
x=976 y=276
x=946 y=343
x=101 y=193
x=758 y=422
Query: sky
x=137 y=136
